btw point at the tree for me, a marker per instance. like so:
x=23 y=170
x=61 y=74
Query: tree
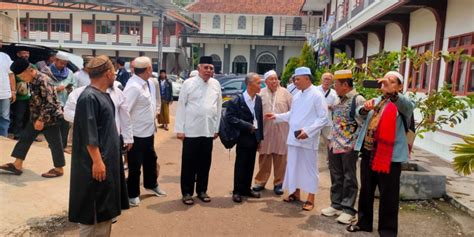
x=306 y=59
x=290 y=67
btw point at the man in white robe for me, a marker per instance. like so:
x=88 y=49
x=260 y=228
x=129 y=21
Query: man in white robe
x=308 y=115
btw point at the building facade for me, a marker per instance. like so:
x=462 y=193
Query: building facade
x=364 y=28
x=92 y=33
x=251 y=36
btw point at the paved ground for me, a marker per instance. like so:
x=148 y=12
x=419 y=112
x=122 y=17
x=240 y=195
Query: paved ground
x=32 y=205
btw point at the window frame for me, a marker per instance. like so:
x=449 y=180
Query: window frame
x=36 y=22
x=216 y=24
x=244 y=23
x=62 y=24
x=456 y=64
x=134 y=26
x=111 y=26
x=412 y=86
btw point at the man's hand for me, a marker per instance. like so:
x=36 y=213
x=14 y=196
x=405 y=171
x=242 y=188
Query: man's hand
x=60 y=88
x=128 y=146
x=302 y=135
x=269 y=116
x=98 y=171
x=13 y=98
x=387 y=87
x=369 y=105
x=39 y=125
x=180 y=136
x=216 y=135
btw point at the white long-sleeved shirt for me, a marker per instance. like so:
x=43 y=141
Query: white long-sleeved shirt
x=199 y=108
x=141 y=103
x=331 y=100
x=82 y=78
x=122 y=117
x=308 y=112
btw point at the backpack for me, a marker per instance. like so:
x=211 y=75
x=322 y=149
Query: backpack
x=352 y=112
x=228 y=134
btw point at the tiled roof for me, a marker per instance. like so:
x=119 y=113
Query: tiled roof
x=181 y=18
x=25 y=7
x=256 y=7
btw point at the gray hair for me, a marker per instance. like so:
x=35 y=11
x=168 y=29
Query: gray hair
x=250 y=77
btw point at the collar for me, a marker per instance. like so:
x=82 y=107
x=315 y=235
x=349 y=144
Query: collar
x=248 y=98
x=307 y=89
x=140 y=80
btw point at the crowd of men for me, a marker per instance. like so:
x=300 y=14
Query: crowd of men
x=290 y=128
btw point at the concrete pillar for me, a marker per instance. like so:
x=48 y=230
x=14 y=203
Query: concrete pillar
x=253 y=59
x=226 y=60
x=280 y=59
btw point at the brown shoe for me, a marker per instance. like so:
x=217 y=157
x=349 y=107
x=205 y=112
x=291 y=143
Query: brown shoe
x=52 y=173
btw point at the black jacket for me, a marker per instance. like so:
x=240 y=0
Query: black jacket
x=168 y=90
x=239 y=116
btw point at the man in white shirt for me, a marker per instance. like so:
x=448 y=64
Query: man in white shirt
x=197 y=124
x=7 y=92
x=81 y=76
x=306 y=118
x=292 y=87
x=141 y=102
x=331 y=99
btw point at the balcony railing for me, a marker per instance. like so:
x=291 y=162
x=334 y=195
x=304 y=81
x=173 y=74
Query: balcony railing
x=294 y=30
x=64 y=38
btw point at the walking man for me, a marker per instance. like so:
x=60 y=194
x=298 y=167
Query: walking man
x=273 y=149
x=166 y=94
x=342 y=157
x=308 y=115
x=245 y=114
x=7 y=91
x=94 y=196
x=46 y=115
x=197 y=125
x=141 y=103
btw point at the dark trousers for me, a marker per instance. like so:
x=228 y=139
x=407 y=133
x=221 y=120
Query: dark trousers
x=53 y=137
x=195 y=164
x=142 y=154
x=64 y=126
x=342 y=168
x=244 y=165
x=389 y=188
x=20 y=115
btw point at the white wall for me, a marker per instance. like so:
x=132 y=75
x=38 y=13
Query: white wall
x=206 y=24
x=147 y=30
x=422 y=27
x=236 y=50
x=393 y=37
x=217 y=49
x=373 y=44
x=359 y=49
x=289 y=52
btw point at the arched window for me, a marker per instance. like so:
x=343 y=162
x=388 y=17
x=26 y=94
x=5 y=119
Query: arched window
x=297 y=23
x=216 y=61
x=216 y=22
x=239 y=65
x=265 y=62
x=242 y=23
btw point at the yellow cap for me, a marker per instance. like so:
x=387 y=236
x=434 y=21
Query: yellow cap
x=343 y=74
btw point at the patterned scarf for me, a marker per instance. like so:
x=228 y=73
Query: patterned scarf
x=60 y=75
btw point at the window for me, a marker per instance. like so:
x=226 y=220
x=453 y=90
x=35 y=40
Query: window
x=239 y=65
x=242 y=23
x=105 y=27
x=60 y=25
x=129 y=27
x=357 y=3
x=420 y=77
x=216 y=61
x=37 y=24
x=459 y=73
x=297 y=22
x=216 y=22
x=265 y=63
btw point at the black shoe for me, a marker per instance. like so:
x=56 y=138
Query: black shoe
x=253 y=194
x=237 y=198
x=258 y=188
x=278 y=190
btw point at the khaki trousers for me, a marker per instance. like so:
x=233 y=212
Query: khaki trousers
x=265 y=168
x=101 y=229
